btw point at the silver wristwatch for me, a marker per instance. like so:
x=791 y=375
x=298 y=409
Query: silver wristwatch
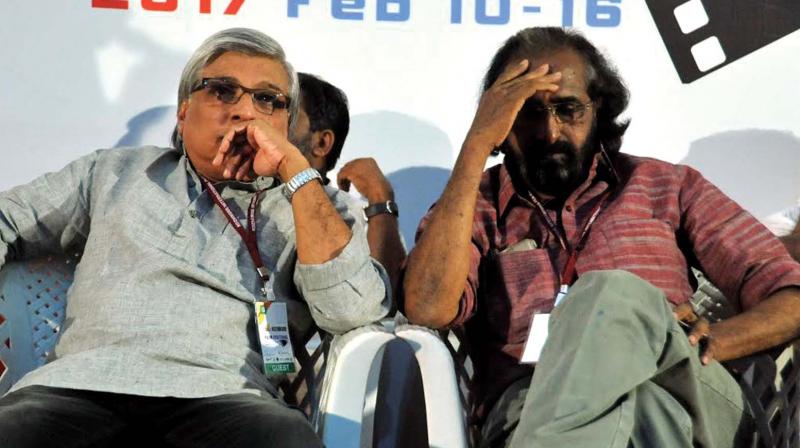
x=298 y=180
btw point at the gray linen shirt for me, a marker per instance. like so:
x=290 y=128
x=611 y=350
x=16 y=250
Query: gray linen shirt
x=161 y=304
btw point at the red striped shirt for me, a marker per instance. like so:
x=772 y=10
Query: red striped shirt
x=660 y=220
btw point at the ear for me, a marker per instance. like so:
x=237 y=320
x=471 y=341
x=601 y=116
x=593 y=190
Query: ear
x=182 y=116
x=324 y=144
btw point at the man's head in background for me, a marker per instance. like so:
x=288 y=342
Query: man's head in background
x=322 y=122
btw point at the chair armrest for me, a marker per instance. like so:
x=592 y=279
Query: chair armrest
x=443 y=404
x=351 y=378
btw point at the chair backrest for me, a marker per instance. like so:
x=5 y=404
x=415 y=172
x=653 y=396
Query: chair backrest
x=32 y=307
x=33 y=299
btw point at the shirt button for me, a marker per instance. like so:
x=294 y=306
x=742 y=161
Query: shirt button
x=193 y=213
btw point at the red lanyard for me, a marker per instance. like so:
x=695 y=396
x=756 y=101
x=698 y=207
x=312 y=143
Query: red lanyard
x=248 y=234
x=568 y=274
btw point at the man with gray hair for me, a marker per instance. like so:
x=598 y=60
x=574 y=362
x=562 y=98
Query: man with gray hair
x=193 y=257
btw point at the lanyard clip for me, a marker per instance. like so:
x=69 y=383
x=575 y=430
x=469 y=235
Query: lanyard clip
x=265 y=289
x=267 y=293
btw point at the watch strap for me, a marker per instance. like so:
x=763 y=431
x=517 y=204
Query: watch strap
x=389 y=207
x=298 y=180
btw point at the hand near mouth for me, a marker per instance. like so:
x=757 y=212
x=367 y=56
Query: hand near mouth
x=235 y=155
x=254 y=148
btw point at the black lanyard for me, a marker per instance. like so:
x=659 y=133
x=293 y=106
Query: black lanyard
x=248 y=234
x=568 y=274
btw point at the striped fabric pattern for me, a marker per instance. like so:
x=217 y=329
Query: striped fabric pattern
x=661 y=220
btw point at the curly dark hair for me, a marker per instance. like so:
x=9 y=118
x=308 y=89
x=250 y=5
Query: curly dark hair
x=326 y=107
x=605 y=85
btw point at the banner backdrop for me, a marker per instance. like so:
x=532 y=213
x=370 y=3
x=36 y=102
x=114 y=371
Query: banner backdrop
x=713 y=82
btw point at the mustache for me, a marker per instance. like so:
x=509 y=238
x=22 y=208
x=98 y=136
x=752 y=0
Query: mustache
x=544 y=151
x=559 y=147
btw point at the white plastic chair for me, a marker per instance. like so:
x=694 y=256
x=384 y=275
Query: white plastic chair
x=444 y=408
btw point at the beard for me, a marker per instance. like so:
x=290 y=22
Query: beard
x=553 y=169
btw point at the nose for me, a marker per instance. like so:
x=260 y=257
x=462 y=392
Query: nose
x=549 y=128
x=244 y=109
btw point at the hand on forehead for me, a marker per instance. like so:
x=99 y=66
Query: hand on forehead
x=573 y=73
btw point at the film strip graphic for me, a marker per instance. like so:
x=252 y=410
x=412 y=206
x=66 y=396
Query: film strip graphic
x=705 y=35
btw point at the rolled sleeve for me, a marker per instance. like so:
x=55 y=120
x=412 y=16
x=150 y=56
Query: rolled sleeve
x=347 y=291
x=735 y=251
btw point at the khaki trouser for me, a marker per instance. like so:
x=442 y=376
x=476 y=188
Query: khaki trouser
x=617 y=371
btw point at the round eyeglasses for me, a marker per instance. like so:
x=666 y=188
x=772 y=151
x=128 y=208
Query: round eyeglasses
x=565 y=112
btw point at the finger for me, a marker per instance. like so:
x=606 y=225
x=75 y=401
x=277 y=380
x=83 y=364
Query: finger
x=347 y=167
x=536 y=76
x=242 y=153
x=243 y=174
x=343 y=182
x=525 y=91
x=684 y=312
x=699 y=331
x=550 y=81
x=232 y=165
x=266 y=163
x=223 y=148
x=531 y=84
x=519 y=93
x=512 y=71
x=707 y=350
x=231 y=141
x=261 y=137
x=369 y=164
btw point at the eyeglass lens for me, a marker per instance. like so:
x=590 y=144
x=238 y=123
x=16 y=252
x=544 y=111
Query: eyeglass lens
x=564 y=112
x=230 y=93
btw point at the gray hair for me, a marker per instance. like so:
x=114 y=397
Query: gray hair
x=240 y=40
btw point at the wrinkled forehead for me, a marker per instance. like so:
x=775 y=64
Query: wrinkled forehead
x=573 y=70
x=253 y=71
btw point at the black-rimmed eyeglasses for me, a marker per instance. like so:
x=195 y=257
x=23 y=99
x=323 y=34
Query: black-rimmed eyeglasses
x=230 y=92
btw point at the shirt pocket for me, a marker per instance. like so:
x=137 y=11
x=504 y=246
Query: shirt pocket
x=649 y=249
x=519 y=284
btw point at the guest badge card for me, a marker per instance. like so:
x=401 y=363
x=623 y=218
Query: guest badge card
x=272 y=322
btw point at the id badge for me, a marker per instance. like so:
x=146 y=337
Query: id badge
x=272 y=321
x=537 y=336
